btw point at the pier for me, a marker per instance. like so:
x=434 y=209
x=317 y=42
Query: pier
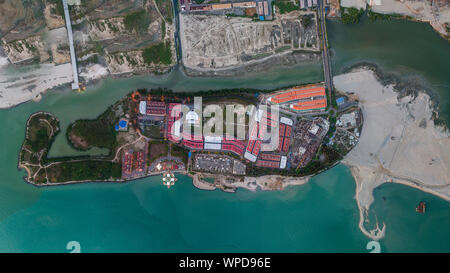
x=75 y=84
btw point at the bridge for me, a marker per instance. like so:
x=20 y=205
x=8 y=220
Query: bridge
x=325 y=50
x=75 y=84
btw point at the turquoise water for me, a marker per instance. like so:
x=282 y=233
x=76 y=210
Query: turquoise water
x=144 y=216
x=409 y=231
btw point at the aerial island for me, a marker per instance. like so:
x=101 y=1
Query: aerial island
x=145 y=135
x=382 y=129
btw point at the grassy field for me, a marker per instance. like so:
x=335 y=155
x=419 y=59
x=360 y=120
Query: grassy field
x=158 y=54
x=157 y=149
x=137 y=21
x=285 y=6
x=153 y=131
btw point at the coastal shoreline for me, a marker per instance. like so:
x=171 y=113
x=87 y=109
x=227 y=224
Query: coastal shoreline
x=379 y=158
x=279 y=61
x=404 y=87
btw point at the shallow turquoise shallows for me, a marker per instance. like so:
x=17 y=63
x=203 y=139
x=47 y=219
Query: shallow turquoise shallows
x=144 y=216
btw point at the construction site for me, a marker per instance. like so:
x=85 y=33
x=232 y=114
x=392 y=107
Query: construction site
x=214 y=41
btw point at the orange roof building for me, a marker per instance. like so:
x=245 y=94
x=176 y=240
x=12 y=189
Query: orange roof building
x=244 y=4
x=221 y=6
x=302 y=98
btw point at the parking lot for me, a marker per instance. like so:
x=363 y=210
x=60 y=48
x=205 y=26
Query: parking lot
x=214 y=163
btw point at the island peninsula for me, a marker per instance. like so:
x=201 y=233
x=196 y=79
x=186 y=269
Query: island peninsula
x=145 y=136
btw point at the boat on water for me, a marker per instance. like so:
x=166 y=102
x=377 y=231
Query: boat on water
x=421 y=207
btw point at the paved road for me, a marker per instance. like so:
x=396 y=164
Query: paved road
x=325 y=52
x=177 y=30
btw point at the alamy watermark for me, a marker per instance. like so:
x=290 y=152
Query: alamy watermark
x=232 y=121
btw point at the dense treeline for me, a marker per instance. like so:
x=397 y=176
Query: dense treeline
x=351 y=15
x=222 y=93
x=285 y=6
x=180 y=152
x=374 y=16
x=84 y=170
x=97 y=133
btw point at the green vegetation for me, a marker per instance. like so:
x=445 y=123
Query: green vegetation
x=351 y=15
x=137 y=21
x=41 y=140
x=374 y=16
x=59 y=7
x=98 y=48
x=163 y=30
x=285 y=6
x=158 y=54
x=180 y=152
x=157 y=149
x=165 y=7
x=153 y=131
x=330 y=157
x=92 y=59
x=111 y=26
x=42 y=129
x=84 y=170
x=306 y=20
x=39 y=135
x=281 y=49
x=99 y=132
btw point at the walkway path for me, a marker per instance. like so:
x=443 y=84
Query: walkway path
x=75 y=84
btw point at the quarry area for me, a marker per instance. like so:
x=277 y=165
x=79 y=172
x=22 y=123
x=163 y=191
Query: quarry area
x=215 y=43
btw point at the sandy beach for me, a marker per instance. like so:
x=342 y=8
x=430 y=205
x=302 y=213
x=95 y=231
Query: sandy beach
x=19 y=85
x=3 y=61
x=94 y=72
x=399 y=143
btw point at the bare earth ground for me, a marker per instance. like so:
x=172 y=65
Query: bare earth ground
x=266 y=182
x=29 y=84
x=399 y=143
x=214 y=42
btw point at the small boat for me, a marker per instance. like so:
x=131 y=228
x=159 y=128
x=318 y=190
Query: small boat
x=421 y=207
